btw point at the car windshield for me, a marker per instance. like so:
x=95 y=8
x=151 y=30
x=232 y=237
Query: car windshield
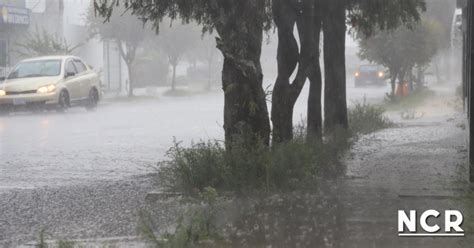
x=37 y=68
x=368 y=68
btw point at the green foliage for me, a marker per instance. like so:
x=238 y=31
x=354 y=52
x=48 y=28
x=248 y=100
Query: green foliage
x=403 y=48
x=65 y=244
x=194 y=168
x=415 y=99
x=208 y=14
x=42 y=243
x=365 y=118
x=250 y=165
x=42 y=43
x=194 y=227
x=366 y=16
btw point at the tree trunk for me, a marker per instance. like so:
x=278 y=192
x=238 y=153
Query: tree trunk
x=173 y=78
x=240 y=28
x=130 y=79
x=314 y=99
x=287 y=59
x=285 y=94
x=334 y=26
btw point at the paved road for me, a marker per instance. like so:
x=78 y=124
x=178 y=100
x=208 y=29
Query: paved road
x=116 y=141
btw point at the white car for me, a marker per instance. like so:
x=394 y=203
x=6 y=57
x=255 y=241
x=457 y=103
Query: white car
x=54 y=82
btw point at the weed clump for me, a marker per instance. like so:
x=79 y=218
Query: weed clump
x=247 y=167
x=365 y=118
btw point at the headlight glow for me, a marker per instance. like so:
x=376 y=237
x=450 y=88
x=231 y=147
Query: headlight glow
x=3 y=93
x=356 y=74
x=380 y=74
x=46 y=89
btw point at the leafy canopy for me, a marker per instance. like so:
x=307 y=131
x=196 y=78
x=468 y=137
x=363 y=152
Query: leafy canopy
x=208 y=13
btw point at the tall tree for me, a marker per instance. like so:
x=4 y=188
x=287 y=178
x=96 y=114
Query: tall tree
x=403 y=48
x=175 y=41
x=240 y=26
x=126 y=30
x=314 y=110
x=364 y=16
x=287 y=14
x=334 y=28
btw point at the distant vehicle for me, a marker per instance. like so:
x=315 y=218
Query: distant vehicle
x=369 y=75
x=55 y=82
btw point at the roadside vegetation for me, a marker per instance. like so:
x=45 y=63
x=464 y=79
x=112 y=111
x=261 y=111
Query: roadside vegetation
x=413 y=100
x=206 y=173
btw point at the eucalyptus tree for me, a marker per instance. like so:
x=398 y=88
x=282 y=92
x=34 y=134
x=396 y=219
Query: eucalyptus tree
x=364 y=16
x=305 y=16
x=330 y=16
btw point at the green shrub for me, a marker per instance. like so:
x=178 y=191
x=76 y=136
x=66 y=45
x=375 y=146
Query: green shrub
x=247 y=167
x=193 y=228
x=193 y=168
x=366 y=118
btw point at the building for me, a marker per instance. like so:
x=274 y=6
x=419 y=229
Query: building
x=15 y=20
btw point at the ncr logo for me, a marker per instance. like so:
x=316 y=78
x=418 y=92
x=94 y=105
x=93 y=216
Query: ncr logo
x=431 y=223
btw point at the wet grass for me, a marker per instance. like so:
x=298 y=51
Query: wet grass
x=250 y=166
x=365 y=118
x=416 y=99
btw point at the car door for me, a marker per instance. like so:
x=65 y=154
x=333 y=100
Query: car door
x=84 y=78
x=72 y=81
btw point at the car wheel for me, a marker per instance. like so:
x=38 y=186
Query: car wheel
x=93 y=99
x=63 y=102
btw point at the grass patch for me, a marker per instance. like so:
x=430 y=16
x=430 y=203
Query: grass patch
x=413 y=100
x=248 y=167
x=195 y=228
x=42 y=243
x=365 y=118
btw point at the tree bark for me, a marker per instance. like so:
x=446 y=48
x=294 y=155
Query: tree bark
x=315 y=119
x=173 y=79
x=130 y=79
x=128 y=55
x=284 y=97
x=284 y=16
x=334 y=26
x=240 y=28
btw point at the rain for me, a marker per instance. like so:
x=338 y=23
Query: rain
x=276 y=123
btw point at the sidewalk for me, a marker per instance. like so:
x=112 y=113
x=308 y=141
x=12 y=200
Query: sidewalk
x=420 y=165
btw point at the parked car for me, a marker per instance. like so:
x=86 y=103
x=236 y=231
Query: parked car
x=369 y=75
x=55 y=82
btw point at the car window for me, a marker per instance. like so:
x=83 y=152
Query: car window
x=80 y=66
x=368 y=68
x=70 y=68
x=37 y=68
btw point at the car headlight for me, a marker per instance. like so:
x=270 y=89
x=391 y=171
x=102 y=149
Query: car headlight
x=46 y=89
x=380 y=74
x=356 y=74
x=3 y=93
